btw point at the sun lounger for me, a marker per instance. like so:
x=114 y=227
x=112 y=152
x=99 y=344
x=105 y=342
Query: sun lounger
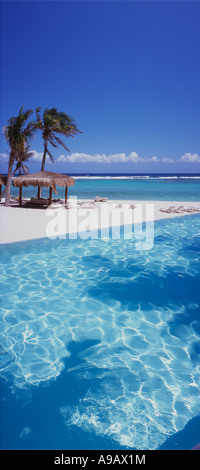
x=14 y=199
x=100 y=199
x=71 y=205
x=169 y=210
x=56 y=204
x=180 y=210
x=39 y=202
x=192 y=209
x=87 y=205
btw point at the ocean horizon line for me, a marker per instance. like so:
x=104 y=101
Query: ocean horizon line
x=146 y=175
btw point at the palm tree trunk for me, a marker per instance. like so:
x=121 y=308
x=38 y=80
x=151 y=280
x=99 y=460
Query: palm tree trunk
x=9 y=179
x=44 y=156
x=16 y=168
x=42 y=167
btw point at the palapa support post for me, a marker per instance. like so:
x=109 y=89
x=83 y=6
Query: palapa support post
x=50 y=196
x=20 y=195
x=66 y=194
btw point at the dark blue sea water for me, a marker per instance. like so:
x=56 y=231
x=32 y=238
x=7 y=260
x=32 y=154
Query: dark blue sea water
x=177 y=187
x=100 y=342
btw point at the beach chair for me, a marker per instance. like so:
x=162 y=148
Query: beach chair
x=100 y=199
x=192 y=209
x=169 y=210
x=179 y=209
x=71 y=204
x=87 y=205
x=39 y=202
x=14 y=199
x=35 y=202
x=57 y=200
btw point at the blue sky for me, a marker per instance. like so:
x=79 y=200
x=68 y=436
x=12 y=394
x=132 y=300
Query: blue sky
x=128 y=72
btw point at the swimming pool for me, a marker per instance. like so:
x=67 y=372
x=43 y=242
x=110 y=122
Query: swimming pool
x=100 y=342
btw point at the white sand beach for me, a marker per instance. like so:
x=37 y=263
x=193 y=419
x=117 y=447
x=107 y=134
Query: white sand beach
x=26 y=223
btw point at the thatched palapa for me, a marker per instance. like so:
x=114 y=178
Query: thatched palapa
x=47 y=179
x=3 y=181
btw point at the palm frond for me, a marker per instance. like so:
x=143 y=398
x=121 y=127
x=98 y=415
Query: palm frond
x=37 y=112
x=51 y=156
x=60 y=142
x=25 y=168
x=30 y=130
x=52 y=139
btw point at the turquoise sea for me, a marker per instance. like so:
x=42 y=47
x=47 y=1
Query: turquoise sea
x=177 y=187
x=100 y=341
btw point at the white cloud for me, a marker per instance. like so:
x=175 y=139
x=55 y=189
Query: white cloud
x=37 y=157
x=192 y=158
x=96 y=158
x=4 y=156
x=133 y=157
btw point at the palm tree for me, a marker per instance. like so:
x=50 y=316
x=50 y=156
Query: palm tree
x=23 y=157
x=18 y=137
x=20 y=166
x=53 y=123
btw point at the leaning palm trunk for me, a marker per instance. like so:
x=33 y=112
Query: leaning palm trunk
x=9 y=179
x=20 y=173
x=42 y=167
x=44 y=156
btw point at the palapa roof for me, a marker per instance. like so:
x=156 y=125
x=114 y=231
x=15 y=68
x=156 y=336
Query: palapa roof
x=3 y=179
x=47 y=179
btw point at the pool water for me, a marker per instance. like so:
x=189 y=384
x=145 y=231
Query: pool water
x=100 y=342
